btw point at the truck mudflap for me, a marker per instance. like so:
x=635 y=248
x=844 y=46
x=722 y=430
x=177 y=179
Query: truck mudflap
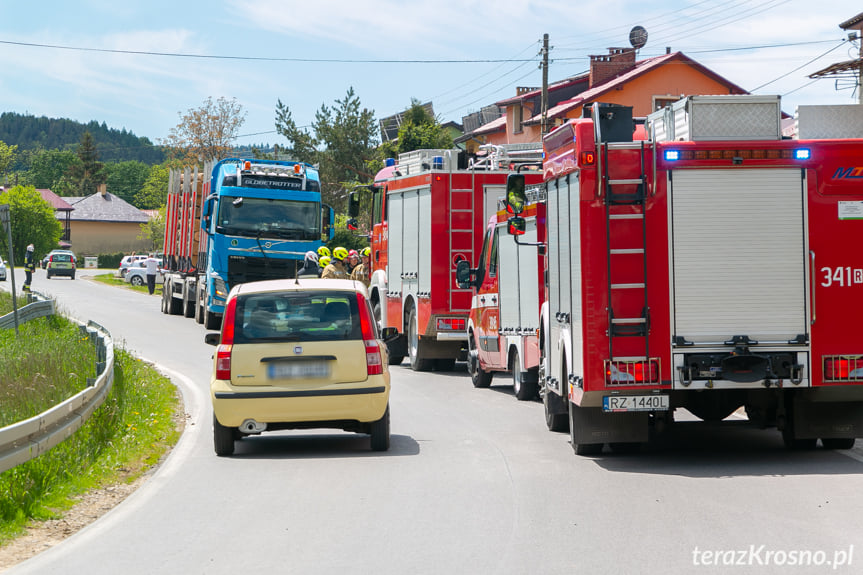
x=816 y=415
x=591 y=426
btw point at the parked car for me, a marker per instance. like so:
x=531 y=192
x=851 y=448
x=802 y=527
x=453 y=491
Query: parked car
x=2 y=270
x=299 y=355
x=61 y=263
x=137 y=274
x=128 y=261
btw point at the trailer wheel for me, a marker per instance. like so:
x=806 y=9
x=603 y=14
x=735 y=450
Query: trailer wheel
x=838 y=442
x=522 y=386
x=478 y=377
x=414 y=348
x=199 y=311
x=188 y=304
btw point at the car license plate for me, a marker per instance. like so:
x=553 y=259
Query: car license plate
x=635 y=403
x=298 y=370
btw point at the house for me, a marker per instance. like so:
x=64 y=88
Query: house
x=618 y=78
x=103 y=223
x=62 y=210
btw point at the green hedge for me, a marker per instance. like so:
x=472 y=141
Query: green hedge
x=110 y=261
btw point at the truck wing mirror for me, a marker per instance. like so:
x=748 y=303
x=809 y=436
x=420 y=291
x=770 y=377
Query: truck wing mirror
x=353 y=205
x=515 y=196
x=516 y=226
x=352 y=224
x=462 y=274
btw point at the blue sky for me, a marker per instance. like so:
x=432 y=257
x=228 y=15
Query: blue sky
x=145 y=93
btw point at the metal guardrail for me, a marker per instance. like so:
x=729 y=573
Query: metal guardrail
x=32 y=437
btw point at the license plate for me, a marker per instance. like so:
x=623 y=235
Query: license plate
x=635 y=403
x=298 y=370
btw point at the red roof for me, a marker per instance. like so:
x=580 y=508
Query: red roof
x=58 y=203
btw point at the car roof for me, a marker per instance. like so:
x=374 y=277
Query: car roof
x=301 y=284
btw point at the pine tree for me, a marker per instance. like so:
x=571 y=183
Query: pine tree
x=87 y=174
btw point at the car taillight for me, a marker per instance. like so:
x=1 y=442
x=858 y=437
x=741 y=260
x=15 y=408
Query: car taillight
x=451 y=324
x=374 y=361
x=632 y=372
x=843 y=368
x=223 y=352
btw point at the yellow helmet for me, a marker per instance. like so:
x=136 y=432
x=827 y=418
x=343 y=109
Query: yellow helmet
x=340 y=253
x=366 y=252
x=324 y=251
x=324 y=261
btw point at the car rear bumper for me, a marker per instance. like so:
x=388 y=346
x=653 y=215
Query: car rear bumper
x=293 y=404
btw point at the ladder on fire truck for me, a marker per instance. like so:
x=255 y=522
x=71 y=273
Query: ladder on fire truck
x=625 y=196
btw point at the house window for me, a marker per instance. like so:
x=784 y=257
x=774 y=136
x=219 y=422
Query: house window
x=659 y=102
x=517 y=119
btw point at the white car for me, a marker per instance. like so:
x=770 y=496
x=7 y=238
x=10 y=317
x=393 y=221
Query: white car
x=129 y=261
x=2 y=270
x=137 y=274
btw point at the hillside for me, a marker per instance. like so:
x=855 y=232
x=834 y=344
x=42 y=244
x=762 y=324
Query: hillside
x=29 y=132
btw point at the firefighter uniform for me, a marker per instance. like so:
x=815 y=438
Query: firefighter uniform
x=29 y=267
x=335 y=270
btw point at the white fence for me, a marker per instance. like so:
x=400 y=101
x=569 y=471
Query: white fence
x=30 y=438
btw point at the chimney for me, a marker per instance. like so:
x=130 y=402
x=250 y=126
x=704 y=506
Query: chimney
x=615 y=63
x=102 y=189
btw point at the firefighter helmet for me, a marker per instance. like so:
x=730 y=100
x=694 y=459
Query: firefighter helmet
x=30 y=248
x=366 y=252
x=324 y=251
x=340 y=253
x=324 y=261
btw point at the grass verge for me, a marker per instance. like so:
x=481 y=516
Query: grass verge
x=135 y=426
x=112 y=280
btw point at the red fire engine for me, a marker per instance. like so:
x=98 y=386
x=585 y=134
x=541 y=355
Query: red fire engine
x=503 y=329
x=713 y=267
x=427 y=213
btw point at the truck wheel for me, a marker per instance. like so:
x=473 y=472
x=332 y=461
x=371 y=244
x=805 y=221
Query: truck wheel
x=838 y=442
x=199 y=312
x=414 y=349
x=579 y=448
x=223 y=438
x=136 y=281
x=380 y=432
x=478 y=377
x=553 y=421
x=524 y=388
x=211 y=320
x=188 y=301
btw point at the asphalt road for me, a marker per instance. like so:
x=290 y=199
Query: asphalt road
x=473 y=484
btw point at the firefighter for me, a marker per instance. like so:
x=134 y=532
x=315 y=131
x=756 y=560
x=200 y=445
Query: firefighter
x=353 y=261
x=323 y=251
x=310 y=266
x=29 y=267
x=336 y=269
x=363 y=270
x=323 y=262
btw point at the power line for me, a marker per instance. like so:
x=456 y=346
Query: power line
x=842 y=43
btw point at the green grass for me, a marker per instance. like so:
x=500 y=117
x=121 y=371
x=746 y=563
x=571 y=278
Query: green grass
x=130 y=432
x=112 y=280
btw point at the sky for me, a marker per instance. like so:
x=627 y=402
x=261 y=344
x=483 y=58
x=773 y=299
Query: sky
x=140 y=65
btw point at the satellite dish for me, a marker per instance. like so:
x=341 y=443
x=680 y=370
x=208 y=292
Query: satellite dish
x=638 y=37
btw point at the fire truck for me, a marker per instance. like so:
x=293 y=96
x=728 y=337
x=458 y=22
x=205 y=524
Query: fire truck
x=236 y=221
x=713 y=266
x=428 y=212
x=503 y=327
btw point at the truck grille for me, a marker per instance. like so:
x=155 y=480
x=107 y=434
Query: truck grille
x=244 y=269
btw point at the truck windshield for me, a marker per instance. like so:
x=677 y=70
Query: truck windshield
x=260 y=217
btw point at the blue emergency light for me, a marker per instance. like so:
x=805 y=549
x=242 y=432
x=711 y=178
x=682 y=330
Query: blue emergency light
x=672 y=155
x=802 y=154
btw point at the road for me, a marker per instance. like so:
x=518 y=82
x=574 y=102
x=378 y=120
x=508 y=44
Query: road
x=473 y=484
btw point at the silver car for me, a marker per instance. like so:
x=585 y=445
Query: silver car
x=2 y=270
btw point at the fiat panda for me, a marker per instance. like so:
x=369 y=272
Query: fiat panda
x=299 y=354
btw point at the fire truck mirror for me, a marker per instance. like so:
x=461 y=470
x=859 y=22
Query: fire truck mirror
x=515 y=196
x=462 y=274
x=516 y=226
x=352 y=224
x=353 y=205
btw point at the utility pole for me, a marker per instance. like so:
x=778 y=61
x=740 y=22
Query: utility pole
x=544 y=65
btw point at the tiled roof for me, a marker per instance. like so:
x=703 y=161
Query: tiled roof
x=56 y=201
x=852 y=21
x=105 y=208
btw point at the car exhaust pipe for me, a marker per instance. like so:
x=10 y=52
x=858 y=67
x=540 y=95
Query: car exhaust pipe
x=251 y=426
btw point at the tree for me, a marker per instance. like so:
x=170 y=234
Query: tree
x=33 y=222
x=154 y=192
x=7 y=158
x=87 y=175
x=154 y=230
x=125 y=179
x=47 y=170
x=206 y=133
x=344 y=140
x=419 y=131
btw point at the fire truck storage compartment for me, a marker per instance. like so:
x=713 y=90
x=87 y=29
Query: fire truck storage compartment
x=409 y=233
x=729 y=117
x=738 y=255
x=564 y=269
x=518 y=281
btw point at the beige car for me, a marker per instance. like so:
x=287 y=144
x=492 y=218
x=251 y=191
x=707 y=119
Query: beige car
x=299 y=354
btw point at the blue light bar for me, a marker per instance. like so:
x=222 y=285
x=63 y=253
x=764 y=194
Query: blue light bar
x=672 y=155
x=802 y=154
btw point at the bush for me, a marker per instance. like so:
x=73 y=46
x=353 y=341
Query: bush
x=110 y=261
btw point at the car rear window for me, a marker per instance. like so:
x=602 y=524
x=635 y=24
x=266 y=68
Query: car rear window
x=297 y=316
x=61 y=258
